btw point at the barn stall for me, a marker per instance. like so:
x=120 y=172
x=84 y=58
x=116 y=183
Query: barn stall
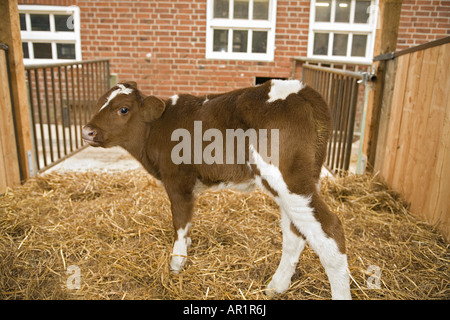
x=109 y=235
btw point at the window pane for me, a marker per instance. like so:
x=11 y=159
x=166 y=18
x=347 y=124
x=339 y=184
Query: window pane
x=261 y=9
x=359 y=45
x=259 y=42
x=220 y=42
x=342 y=11
x=26 y=54
x=23 y=22
x=64 y=23
x=323 y=10
x=65 y=50
x=42 y=50
x=240 y=40
x=221 y=8
x=240 y=10
x=362 y=11
x=321 y=43
x=340 y=44
x=40 y=22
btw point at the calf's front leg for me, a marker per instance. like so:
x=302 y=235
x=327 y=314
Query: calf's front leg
x=181 y=206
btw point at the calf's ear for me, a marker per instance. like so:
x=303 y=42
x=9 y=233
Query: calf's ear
x=153 y=108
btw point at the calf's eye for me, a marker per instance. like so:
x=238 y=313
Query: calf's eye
x=124 y=110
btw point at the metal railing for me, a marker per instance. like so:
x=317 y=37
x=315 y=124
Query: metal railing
x=341 y=90
x=62 y=98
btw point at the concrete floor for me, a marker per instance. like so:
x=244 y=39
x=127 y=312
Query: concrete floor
x=98 y=159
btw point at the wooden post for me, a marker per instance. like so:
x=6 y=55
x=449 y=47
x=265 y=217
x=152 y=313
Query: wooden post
x=385 y=42
x=10 y=35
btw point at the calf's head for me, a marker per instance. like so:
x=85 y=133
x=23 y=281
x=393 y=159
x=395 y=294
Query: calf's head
x=122 y=115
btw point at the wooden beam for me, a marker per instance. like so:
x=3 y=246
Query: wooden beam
x=385 y=42
x=10 y=35
x=9 y=164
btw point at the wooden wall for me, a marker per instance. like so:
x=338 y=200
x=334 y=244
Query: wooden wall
x=413 y=151
x=9 y=163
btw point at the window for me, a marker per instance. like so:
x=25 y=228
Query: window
x=342 y=30
x=50 y=33
x=241 y=29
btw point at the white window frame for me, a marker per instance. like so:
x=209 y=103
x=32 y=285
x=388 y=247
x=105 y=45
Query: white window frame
x=241 y=24
x=51 y=36
x=343 y=28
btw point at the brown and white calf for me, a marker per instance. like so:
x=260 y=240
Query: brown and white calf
x=151 y=129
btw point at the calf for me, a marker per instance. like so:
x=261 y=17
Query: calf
x=159 y=134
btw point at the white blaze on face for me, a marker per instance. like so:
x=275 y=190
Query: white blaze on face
x=121 y=90
x=281 y=89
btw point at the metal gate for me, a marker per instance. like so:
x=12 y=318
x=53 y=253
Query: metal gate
x=342 y=90
x=62 y=98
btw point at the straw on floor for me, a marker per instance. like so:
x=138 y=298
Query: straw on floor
x=115 y=230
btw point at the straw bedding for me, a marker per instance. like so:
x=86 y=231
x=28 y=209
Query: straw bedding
x=116 y=228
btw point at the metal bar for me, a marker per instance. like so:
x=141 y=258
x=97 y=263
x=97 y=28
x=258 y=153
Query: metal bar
x=107 y=76
x=33 y=120
x=52 y=76
x=49 y=65
x=342 y=118
x=61 y=101
x=356 y=75
x=353 y=104
x=79 y=103
x=47 y=111
x=331 y=104
x=345 y=125
x=428 y=45
x=83 y=72
x=38 y=98
x=66 y=78
x=74 y=106
x=305 y=61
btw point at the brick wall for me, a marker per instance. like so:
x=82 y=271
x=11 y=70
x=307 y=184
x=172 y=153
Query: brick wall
x=161 y=43
x=423 y=21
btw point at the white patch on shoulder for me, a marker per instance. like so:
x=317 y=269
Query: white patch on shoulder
x=121 y=90
x=206 y=100
x=174 y=99
x=281 y=89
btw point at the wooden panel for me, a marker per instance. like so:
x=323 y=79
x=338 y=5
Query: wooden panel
x=9 y=168
x=410 y=108
x=436 y=203
x=392 y=139
x=416 y=158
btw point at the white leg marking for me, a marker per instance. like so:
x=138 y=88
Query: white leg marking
x=292 y=248
x=179 y=253
x=299 y=211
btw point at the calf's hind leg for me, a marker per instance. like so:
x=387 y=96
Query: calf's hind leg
x=293 y=245
x=325 y=234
